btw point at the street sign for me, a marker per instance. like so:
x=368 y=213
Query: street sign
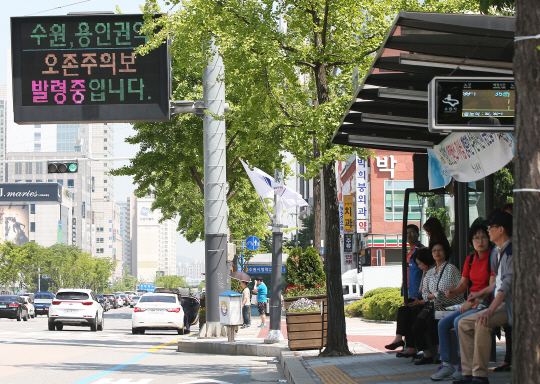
x=83 y=68
x=253 y=243
x=263 y=269
x=148 y=287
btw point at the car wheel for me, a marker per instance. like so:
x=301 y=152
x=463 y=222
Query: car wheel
x=181 y=331
x=93 y=324
x=101 y=324
x=51 y=325
x=141 y=331
x=134 y=331
x=18 y=315
x=59 y=326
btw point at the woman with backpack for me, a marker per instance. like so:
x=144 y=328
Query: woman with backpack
x=477 y=272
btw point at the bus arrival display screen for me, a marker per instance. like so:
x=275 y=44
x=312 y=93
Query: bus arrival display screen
x=472 y=104
x=84 y=68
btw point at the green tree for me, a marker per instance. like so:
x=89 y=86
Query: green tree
x=288 y=75
x=304 y=268
x=504 y=185
x=170 y=282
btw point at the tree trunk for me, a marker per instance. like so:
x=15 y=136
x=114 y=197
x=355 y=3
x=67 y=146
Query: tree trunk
x=317 y=223
x=526 y=286
x=337 y=335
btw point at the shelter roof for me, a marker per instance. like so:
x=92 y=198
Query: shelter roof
x=389 y=109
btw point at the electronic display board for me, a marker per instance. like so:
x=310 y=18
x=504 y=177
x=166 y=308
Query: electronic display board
x=472 y=104
x=83 y=68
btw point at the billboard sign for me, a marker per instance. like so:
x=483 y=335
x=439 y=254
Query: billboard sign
x=348 y=208
x=14 y=221
x=30 y=192
x=362 y=208
x=83 y=69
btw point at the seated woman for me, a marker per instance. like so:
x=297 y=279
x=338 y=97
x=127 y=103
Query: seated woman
x=436 y=282
x=407 y=315
x=477 y=269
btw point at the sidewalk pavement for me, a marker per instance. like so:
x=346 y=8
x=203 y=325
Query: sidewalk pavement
x=370 y=362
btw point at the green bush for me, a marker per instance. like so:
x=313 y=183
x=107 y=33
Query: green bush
x=377 y=304
x=354 y=309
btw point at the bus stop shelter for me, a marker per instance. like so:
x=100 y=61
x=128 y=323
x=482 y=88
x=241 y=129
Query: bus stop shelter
x=389 y=109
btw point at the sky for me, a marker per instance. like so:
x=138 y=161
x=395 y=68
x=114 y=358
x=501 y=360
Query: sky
x=186 y=252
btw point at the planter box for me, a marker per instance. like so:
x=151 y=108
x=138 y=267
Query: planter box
x=306 y=330
x=202 y=320
x=287 y=301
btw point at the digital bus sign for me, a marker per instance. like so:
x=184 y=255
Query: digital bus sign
x=472 y=104
x=83 y=69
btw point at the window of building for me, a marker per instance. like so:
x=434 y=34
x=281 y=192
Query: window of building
x=50 y=181
x=104 y=131
x=99 y=250
x=104 y=164
x=105 y=181
x=28 y=181
x=37 y=136
x=32 y=226
x=104 y=189
x=104 y=148
x=18 y=181
x=28 y=167
x=18 y=168
x=394 y=198
x=39 y=181
x=105 y=139
x=37 y=147
x=60 y=181
x=99 y=240
x=71 y=183
x=39 y=168
x=37 y=125
x=32 y=208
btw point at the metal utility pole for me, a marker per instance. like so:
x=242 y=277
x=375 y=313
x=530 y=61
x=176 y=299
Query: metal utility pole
x=215 y=203
x=274 y=333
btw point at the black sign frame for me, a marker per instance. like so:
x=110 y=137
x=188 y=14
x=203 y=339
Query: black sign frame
x=89 y=113
x=447 y=93
x=29 y=192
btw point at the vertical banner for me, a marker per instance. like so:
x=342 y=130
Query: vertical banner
x=341 y=218
x=348 y=243
x=362 y=213
x=59 y=231
x=348 y=207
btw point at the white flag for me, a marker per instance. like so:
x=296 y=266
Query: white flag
x=265 y=185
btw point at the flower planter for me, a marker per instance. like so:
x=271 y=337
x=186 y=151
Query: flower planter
x=287 y=301
x=306 y=330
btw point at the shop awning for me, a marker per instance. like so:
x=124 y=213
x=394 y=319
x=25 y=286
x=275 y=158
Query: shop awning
x=390 y=109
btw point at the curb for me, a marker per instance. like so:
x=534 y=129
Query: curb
x=294 y=370
x=230 y=348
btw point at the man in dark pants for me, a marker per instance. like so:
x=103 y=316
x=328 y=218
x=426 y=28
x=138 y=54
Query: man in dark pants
x=186 y=308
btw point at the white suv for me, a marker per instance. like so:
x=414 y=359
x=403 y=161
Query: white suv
x=76 y=307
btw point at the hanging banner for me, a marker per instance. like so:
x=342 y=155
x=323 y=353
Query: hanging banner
x=362 y=213
x=468 y=157
x=348 y=207
x=348 y=243
x=341 y=218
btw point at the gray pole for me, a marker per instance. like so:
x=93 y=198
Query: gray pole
x=215 y=203
x=274 y=333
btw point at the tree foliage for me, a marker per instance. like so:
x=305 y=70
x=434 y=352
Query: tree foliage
x=67 y=266
x=304 y=268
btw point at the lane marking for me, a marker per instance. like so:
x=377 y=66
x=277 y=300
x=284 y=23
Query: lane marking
x=120 y=366
x=243 y=371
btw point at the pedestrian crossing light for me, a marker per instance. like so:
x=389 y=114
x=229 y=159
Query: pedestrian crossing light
x=63 y=167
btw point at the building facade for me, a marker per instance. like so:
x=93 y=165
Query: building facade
x=3 y=124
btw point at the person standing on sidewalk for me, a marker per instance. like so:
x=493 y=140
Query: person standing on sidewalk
x=475 y=330
x=246 y=304
x=262 y=292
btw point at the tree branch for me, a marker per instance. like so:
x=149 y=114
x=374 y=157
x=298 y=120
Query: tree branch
x=334 y=63
x=195 y=205
x=197 y=178
x=231 y=167
x=306 y=63
x=231 y=141
x=274 y=96
x=232 y=195
x=231 y=187
x=325 y=23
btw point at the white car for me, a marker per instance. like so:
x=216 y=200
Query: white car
x=30 y=306
x=157 y=311
x=134 y=301
x=76 y=307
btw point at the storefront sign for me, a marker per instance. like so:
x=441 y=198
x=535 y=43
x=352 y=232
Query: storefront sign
x=385 y=165
x=348 y=259
x=263 y=269
x=348 y=243
x=348 y=208
x=362 y=208
x=341 y=218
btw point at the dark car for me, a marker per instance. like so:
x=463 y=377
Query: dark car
x=42 y=302
x=112 y=299
x=13 y=307
x=104 y=301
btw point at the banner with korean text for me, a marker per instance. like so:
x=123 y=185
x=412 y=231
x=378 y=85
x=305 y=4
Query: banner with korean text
x=362 y=209
x=348 y=208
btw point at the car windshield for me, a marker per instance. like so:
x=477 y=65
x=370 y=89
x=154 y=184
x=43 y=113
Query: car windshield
x=135 y=298
x=157 y=299
x=9 y=298
x=44 y=296
x=72 y=296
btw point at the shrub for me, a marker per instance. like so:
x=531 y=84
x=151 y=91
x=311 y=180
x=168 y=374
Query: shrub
x=354 y=309
x=304 y=275
x=383 y=305
x=377 y=291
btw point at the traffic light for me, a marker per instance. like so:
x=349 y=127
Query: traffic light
x=62 y=167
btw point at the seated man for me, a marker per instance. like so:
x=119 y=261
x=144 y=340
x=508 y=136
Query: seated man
x=475 y=330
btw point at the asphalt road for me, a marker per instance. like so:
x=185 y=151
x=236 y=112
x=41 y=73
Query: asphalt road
x=30 y=354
